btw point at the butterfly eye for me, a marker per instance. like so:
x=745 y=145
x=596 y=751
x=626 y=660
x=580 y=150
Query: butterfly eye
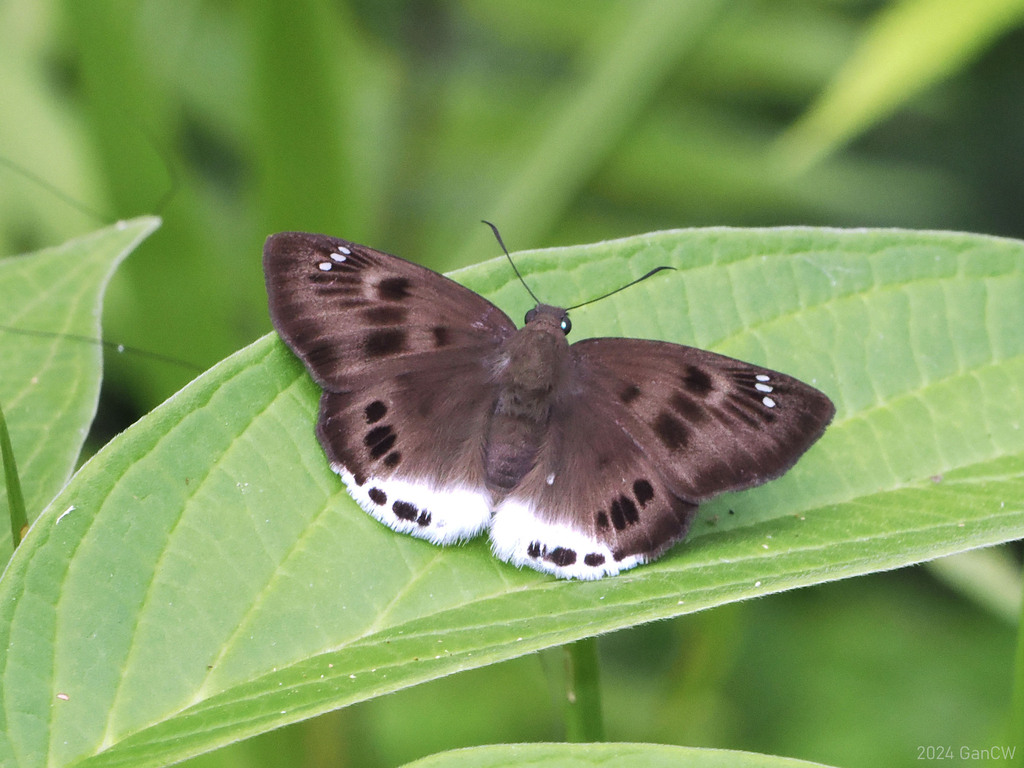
x=566 y=324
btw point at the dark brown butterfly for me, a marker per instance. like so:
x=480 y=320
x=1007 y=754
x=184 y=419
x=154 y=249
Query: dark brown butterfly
x=444 y=420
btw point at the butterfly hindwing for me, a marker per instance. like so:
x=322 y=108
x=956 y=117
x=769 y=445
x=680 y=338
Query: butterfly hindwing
x=594 y=504
x=424 y=481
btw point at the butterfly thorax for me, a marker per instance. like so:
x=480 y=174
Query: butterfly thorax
x=532 y=365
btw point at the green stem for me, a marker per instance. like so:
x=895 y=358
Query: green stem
x=15 y=499
x=583 y=721
x=1016 y=730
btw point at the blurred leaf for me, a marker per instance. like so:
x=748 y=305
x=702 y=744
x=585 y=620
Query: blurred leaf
x=990 y=577
x=911 y=45
x=49 y=383
x=39 y=133
x=213 y=580
x=603 y=756
x=312 y=67
x=627 y=61
x=712 y=167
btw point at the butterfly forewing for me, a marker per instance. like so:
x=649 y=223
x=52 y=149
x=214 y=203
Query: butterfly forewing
x=350 y=312
x=444 y=420
x=712 y=423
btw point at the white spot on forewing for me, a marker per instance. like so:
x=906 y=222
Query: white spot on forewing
x=342 y=249
x=515 y=527
x=768 y=401
x=763 y=377
x=763 y=387
x=550 y=480
x=456 y=513
x=325 y=266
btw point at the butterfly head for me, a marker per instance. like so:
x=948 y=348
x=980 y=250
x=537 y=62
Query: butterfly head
x=545 y=314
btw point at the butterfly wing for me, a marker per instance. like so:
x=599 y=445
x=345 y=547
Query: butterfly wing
x=651 y=430
x=716 y=423
x=386 y=339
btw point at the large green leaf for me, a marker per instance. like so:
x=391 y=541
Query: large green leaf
x=603 y=756
x=205 y=577
x=50 y=383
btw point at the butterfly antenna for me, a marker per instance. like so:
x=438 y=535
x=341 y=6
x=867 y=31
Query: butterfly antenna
x=111 y=345
x=174 y=180
x=55 y=191
x=515 y=269
x=654 y=271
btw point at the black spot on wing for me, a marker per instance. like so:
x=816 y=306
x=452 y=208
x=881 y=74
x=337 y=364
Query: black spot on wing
x=671 y=431
x=623 y=513
x=594 y=559
x=379 y=440
x=561 y=556
x=392 y=460
x=394 y=288
x=405 y=511
x=377 y=496
x=629 y=393
x=697 y=380
x=384 y=342
x=441 y=336
x=644 y=492
x=375 y=411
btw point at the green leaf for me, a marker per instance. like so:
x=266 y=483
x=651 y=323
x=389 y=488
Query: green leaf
x=911 y=45
x=205 y=577
x=50 y=383
x=602 y=756
x=626 y=61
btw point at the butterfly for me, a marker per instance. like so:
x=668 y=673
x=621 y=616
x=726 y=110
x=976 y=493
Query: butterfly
x=444 y=420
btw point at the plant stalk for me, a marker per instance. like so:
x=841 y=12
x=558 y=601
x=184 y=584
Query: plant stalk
x=15 y=498
x=1016 y=729
x=583 y=719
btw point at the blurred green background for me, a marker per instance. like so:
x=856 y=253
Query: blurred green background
x=401 y=124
